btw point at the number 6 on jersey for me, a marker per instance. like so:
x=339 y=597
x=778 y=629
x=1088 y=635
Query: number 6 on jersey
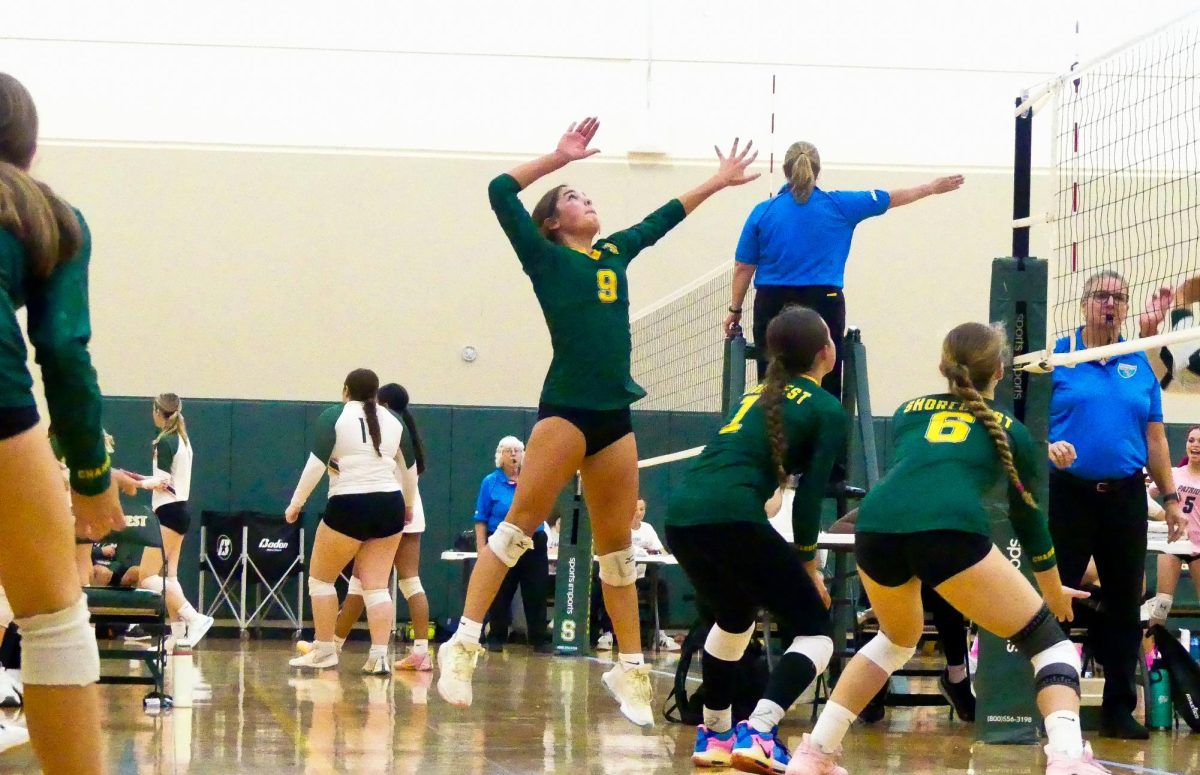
x=949 y=427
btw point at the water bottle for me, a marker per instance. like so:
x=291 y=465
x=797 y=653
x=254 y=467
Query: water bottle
x=180 y=676
x=1159 y=712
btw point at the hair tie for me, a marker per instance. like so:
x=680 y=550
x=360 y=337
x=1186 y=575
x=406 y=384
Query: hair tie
x=1020 y=487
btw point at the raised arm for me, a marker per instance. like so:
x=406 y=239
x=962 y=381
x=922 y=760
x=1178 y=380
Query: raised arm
x=572 y=146
x=730 y=172
x=906 y=196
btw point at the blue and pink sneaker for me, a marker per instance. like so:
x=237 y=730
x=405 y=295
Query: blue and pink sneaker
x=759 y=752
x=712 y=748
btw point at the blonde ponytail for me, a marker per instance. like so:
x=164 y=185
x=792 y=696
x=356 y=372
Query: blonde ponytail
x=802 y=165
x=170 y=406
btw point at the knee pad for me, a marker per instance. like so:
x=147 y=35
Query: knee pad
x=354 y=586
x=887 y=655
x=374 y=597
x=154 y=583
x=6 y=612
x=410 y=588
x=1158 y=612
x=508 y=543
x=618 y=569
x=59 y=648
x=1054 y=658
x=1058 y=665
x=818 y=648
x=318 y=588
x=727 y=646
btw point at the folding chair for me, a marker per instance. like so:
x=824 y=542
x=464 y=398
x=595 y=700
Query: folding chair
x=222 y=555
x=121 y=607
x=274 y=554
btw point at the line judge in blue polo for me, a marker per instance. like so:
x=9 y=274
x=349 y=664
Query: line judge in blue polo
x=795 y=248
x=1106 y=427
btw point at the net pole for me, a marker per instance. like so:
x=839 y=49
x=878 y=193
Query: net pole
x=733 y=383
x=1022 y=185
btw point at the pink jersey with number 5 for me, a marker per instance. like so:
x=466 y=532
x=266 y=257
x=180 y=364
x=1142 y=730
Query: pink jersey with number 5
x=1188 y=484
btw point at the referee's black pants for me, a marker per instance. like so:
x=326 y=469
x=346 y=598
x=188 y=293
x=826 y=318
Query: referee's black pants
x=826 y=300
x=1105 y=520
x=532 y=574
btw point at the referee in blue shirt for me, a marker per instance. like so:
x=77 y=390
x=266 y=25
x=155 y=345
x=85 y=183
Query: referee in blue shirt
x=1106 y=426
x=795 y=248
x=532 y=571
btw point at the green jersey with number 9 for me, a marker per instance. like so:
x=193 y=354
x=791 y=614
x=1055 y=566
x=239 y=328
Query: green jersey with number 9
x=944 y=469
x=585 y=300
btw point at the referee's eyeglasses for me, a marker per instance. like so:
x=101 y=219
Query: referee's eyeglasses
x=1114 y=296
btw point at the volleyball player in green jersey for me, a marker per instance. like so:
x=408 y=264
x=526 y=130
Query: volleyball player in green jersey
x=45 y=249
x=584 y=422
x=738 y=562
x=925 y=523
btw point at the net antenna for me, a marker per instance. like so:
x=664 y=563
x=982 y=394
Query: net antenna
x=1126 y=180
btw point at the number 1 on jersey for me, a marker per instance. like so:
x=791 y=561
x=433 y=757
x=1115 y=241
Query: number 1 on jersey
x=735 y=424
x=606 y=285
x=362 y=423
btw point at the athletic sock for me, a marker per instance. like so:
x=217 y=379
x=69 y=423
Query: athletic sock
x=419 y=646
x=719 y=721
x=766 y=716
x=831 y=727
x=630 y=661
x=469 y=631
x=1062 y=727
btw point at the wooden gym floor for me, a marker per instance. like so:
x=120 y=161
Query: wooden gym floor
x=531 y=714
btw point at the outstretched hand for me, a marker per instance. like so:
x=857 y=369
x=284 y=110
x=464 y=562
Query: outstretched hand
x=573 y=145
x=732 y=170
x=947 y=184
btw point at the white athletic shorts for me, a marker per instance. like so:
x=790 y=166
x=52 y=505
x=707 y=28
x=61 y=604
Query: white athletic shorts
x=418 y=521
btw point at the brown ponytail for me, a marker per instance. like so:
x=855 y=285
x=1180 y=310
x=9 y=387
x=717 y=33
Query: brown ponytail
x=971 y=355
x=44 y=225
x=795 y=337
x=363 y=385
x=801 y=166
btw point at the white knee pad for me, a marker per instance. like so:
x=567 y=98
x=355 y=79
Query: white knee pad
x=59 y=648
x=354 y=586
x=153 y=584
x=727 y=646
x=374 y=597
x=318 y=588
x=886 y=654
x=1058 y=665
x=411 y=587
x=509 y=542
x=619 y=568
x=818 y=648
x=6 y=612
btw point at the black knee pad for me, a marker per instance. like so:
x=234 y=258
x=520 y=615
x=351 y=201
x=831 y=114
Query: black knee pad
x=1054 y=658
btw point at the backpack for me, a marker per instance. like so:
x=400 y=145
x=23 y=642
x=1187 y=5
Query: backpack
x=1184 y=675
x=680 y=707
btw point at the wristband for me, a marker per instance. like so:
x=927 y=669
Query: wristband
x=1171 y=497
x=735 y=311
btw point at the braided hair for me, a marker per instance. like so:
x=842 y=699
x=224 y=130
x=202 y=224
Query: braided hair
x=794 y=340
x=972 y=353
x=363 y=385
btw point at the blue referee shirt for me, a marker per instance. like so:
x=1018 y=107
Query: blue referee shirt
x=806 y=244
x=495 y=499
x=1102 y=409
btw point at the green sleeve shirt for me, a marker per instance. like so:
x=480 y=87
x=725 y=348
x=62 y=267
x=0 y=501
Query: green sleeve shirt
x=735 y=474
x=585 y=300
x=946 y=467
x=59 y=329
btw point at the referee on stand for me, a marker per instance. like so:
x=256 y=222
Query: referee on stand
x=795 y=248
x=1106 y=426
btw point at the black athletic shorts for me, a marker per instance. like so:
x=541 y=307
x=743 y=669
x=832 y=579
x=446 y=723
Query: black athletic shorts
x=174 y=516
x=600 y=427
x=15 y=420
x=118 y=571
x=933 y=556
x=367 y=515
x=737 y=568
